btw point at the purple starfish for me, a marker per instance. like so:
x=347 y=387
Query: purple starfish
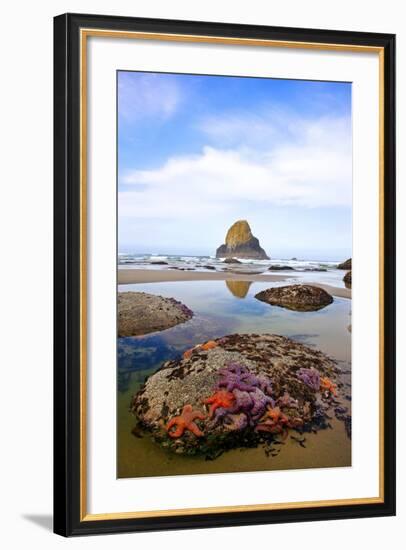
x=253 y=404
x=260 y=403
x=236 y=376
x=219 y=414
x=236 y=422
x=251 y=395
x=235 y=368
x=265 y=384
x=242 y=403
x=310 y=377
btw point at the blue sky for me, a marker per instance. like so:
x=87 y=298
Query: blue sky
x=196 y=153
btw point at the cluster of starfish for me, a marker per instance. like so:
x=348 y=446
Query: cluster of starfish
x=312 y=379
x=237 y=377
x=251 y=404
x=241 y=397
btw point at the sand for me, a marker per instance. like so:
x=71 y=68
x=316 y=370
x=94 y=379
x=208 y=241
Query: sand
x=134 y=276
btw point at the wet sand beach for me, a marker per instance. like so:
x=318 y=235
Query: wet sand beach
x=143 y=276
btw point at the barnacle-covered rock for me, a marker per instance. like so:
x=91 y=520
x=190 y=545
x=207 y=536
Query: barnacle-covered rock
x=240 y=389
x=142 y=313
x=296 y=297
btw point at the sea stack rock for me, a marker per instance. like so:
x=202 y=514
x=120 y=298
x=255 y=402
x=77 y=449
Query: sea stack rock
x=240 y=242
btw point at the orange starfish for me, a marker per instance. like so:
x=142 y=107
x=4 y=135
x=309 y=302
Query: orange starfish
x=221 y=398
x=327 y=385
x=274 y=421
x=209 y=345
x=185 y=421
x=188 y=353
x=275 y=415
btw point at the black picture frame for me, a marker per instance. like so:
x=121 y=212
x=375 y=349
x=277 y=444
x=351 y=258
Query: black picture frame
x=68 y=520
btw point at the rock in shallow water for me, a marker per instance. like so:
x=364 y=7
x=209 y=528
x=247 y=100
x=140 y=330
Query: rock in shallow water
x=280 y=268
x=348 y=279
x=345 y=265
x=235 y=391
x=158 y=262
x=141 y=313
x=296 y=297
x=231 y=261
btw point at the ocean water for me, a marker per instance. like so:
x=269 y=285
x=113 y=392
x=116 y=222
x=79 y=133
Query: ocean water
x=220 y=308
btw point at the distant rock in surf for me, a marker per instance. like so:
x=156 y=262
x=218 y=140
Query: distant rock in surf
x=158 y=262
x=231 y=261
x=241 y=242
x=348 y=279
x=345 y=265
x=280 y=268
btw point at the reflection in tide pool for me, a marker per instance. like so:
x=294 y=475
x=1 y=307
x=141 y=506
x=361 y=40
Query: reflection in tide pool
x=239 y=289
x=220 y=308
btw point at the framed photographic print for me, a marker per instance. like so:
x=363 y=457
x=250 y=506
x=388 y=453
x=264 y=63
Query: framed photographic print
x=224 y=274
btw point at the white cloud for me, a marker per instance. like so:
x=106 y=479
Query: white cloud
x=309 y=166
x=253 y=128
x=147 y=94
